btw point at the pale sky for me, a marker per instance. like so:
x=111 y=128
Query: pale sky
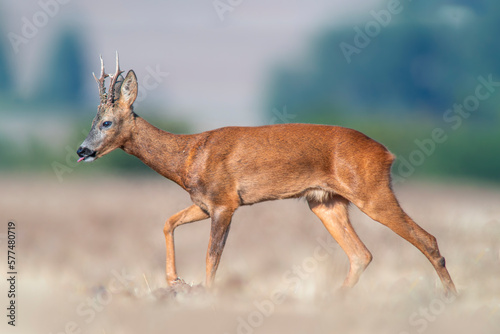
x=218 y=69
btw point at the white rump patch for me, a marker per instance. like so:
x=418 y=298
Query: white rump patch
x=318 y=195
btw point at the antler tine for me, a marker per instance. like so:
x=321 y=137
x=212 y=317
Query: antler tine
x=100 y=83
x=114 y=77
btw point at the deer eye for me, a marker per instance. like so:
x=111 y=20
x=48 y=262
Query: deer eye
x=106 y=124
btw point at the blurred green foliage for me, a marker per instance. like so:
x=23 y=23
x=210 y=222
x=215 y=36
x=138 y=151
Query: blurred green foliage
x=63 y=79
x=6 y=82
x=407 y=71
x=419 y=61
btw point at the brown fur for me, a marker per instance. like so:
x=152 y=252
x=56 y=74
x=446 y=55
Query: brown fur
x=229 y=167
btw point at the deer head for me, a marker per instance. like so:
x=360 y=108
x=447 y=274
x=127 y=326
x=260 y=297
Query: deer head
x=114 y=121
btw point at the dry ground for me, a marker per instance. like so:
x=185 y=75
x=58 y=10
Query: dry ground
x=90 y=255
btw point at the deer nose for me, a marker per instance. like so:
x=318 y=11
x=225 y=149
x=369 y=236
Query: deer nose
x=83 y=152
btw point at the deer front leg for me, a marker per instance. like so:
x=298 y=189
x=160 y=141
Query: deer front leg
x=221 y=220
x=188 y=215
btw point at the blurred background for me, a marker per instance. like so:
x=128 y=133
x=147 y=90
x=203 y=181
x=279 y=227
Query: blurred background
x=394 y=70
x=422 y=77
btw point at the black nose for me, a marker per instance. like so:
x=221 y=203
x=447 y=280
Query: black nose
x=84 y=152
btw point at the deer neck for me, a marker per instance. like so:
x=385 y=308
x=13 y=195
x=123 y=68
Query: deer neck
x=162 y=151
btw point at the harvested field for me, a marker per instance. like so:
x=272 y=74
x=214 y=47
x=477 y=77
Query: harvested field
x=91 y=256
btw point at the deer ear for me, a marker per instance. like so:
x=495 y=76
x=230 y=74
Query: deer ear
x=128 y=90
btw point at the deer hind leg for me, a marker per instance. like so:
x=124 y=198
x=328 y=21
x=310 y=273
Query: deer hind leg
x=221 y=220
x=334 y=215
x=188 y=215
x=384 y=208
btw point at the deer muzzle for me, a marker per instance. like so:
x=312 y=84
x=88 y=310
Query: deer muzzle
x=86 y=154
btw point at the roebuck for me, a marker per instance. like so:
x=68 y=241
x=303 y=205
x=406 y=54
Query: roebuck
x=229 y=167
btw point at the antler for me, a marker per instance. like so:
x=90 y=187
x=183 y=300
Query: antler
x=100 y=83
x=111 y=95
